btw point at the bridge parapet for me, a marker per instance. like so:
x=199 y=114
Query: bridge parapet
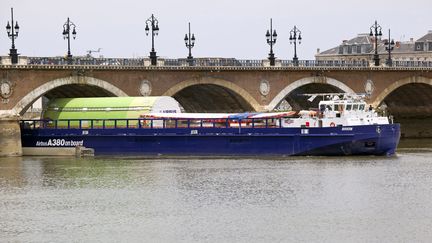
x=204 y=62
x=312 y=68
x=7 y=60
x=198 y=62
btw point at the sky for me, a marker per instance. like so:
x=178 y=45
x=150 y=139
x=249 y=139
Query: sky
x=223 y=28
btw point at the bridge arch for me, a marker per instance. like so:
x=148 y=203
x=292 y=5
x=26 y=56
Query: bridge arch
x=395 y=85
x=237 y=90
x=407 y=100
x=27 y=100
x=305 y=81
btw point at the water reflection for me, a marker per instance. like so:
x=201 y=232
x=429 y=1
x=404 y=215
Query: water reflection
x=217 y=199
x=407 y=144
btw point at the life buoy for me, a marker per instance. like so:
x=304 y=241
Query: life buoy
x=332 y=124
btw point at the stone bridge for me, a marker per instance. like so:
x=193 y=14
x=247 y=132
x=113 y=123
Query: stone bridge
x=405 y=92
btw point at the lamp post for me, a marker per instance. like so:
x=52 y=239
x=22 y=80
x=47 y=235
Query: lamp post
x=271 y=36
x=154 y=31
x=12 y=31
x=295 y=35
x=67 y=34
x=375 y=30
x=190 y=42
x=389 y=47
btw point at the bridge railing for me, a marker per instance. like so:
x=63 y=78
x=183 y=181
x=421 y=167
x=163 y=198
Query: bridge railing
x=88 y=61
x=412 y=63
x=199 y=62
x=211 y=62
x=324 y=63
x=153 y=123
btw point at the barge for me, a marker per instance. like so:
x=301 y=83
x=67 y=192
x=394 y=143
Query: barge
x=342 y=125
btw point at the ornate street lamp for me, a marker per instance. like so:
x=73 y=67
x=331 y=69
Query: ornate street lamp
x=295 y=35
x=375 y=30
x=67 y=34
x=271 y=36
x=154 y=23
x=12 y=31
x=389 y=47
x=190 y=42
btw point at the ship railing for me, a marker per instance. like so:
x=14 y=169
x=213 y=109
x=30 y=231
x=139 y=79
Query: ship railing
x=152 y=123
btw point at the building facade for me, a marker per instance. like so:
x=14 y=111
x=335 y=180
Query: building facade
x=362 y=49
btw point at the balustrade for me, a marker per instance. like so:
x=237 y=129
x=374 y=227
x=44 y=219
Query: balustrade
x=209 y=62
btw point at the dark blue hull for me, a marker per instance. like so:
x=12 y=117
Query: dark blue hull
x=355 y=140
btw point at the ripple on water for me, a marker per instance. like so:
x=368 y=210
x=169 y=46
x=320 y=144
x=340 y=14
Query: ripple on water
x=329 y=199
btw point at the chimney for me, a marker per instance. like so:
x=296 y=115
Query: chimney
x=398 y=44
x=318 y=50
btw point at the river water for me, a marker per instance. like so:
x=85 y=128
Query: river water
x=312 y=199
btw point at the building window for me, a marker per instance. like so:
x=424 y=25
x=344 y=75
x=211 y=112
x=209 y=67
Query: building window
x=363 y=49
x=354 y=49
x=430 y=46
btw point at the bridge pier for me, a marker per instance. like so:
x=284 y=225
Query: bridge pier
x=10 y=136
x=415 y=127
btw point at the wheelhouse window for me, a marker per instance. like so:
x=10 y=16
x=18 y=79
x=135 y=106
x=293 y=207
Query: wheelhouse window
x=338 y=107
x=322 y=108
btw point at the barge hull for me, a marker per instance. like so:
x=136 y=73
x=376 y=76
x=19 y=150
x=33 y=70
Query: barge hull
x=326 y=141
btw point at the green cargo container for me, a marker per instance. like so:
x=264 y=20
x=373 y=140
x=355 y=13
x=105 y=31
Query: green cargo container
x=101 y=109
